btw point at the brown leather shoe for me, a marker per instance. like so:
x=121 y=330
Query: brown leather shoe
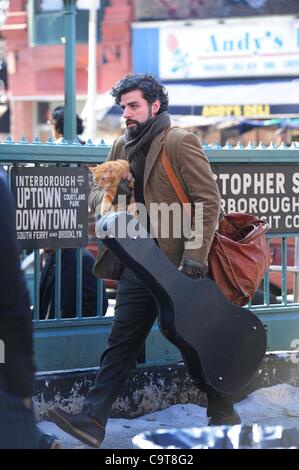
x=80 y=425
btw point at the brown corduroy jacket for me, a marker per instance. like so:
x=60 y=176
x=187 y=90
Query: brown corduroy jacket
x=193 y=171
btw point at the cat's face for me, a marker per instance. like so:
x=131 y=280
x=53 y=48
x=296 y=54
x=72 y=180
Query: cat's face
x=103 y=175
x=109 y=173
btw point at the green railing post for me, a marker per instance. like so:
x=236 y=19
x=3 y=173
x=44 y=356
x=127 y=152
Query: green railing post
x=70 y=70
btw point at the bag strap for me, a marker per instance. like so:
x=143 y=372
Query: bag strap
x=184 y=199
x=173 y=178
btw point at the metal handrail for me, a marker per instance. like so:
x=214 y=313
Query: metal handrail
x=85 y=338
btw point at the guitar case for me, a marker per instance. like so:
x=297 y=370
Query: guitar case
x=222 y=344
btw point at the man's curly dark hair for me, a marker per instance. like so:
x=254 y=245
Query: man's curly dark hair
x=147 y=83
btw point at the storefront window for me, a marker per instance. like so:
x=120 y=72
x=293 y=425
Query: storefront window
x=48 y=21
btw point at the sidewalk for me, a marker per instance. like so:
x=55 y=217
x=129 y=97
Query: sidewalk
x=277 y=405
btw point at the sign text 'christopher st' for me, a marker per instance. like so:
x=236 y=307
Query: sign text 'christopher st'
x=269 y=191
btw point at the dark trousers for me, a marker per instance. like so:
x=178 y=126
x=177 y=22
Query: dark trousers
x=18 y=429
x=135 y=313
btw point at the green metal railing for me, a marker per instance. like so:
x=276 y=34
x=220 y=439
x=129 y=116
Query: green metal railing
x=78 y=342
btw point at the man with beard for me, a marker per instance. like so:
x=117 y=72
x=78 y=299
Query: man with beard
x=144 y=102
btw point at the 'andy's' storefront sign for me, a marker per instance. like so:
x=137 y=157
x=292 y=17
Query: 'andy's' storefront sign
x=267 y=46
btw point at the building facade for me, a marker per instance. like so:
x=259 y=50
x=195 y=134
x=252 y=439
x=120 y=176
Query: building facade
x=223 y=61
x=33 y=34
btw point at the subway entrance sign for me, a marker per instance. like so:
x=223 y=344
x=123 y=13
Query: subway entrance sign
x=51 y=206
x=270 y=191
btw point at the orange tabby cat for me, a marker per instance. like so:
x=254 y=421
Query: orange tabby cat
x=107 y=176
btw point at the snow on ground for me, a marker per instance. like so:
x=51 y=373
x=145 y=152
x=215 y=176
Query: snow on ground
x=277 y=405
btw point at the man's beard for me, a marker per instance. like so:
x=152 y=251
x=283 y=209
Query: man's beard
x=139 y=126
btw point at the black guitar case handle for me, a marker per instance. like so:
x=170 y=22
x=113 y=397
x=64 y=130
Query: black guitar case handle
x=222 y=344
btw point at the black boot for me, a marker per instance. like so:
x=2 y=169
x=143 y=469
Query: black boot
x=221 y=411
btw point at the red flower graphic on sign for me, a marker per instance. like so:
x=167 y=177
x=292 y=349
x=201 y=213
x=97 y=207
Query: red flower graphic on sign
x=180 y=60
x=172 y=42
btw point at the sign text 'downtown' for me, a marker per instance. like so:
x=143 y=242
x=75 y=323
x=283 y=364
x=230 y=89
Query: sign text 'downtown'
x=51 y=206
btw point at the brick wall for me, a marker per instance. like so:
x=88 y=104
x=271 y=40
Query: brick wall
x=116 y=42
x=183 y=9
x=39 y=71
x=21 y=113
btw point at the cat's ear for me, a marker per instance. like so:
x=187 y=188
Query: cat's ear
x=92 y=169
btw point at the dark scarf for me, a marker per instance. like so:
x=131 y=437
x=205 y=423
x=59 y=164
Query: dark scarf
x=136 y=149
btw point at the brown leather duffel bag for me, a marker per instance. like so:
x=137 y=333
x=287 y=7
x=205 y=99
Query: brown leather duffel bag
x=239 y=255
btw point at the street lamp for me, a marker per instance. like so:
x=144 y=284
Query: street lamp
x=69 y=130
x=92 y=69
